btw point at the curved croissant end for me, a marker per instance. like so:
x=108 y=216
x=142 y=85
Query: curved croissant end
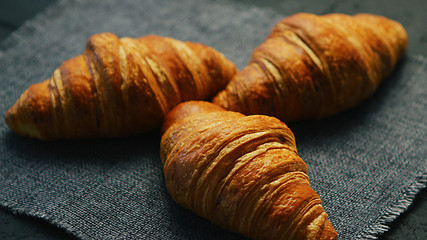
x=241 y=172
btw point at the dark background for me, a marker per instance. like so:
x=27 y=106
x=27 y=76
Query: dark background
x=412 y=224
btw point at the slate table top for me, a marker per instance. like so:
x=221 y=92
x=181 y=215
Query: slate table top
x=412 y=224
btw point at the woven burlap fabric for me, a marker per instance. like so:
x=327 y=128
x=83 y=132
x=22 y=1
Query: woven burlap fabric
x=366 y=163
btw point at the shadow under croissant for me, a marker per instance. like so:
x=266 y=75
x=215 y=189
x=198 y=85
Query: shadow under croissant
x=189 y=225
x=93 y=151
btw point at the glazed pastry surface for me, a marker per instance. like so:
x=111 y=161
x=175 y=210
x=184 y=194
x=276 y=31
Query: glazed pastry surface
x=241 y=172
x=312 y=67
x=119 y=87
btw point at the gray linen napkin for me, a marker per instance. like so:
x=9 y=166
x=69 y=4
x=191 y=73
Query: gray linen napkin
x=366 y=163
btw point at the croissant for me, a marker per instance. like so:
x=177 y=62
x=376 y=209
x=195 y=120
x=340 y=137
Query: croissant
x=240 y=172
x=312 y=67
x=119 y=87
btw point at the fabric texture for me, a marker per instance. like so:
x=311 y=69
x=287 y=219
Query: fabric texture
x=366 y=163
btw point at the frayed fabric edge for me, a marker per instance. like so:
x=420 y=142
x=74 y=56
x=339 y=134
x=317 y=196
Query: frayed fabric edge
x=41 y=215
x=394 y=211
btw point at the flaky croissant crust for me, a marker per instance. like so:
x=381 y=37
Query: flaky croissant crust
x=316 y=66
x=119 y=87
x=241 y=172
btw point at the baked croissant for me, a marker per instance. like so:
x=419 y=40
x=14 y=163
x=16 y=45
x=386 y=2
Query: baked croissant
x=312 y=67
x=119 y=87
x=240 y=172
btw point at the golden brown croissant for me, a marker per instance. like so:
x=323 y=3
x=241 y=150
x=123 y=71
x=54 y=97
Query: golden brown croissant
x=119 y=87
x=316 y=66
x=240 y=172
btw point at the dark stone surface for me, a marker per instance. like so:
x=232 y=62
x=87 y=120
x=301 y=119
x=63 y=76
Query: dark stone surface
x=412 y=224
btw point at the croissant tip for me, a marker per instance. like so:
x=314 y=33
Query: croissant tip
x=7 y=118
x=15 y=124
x=10 y=117
x=328 y=233
x=20 y=117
